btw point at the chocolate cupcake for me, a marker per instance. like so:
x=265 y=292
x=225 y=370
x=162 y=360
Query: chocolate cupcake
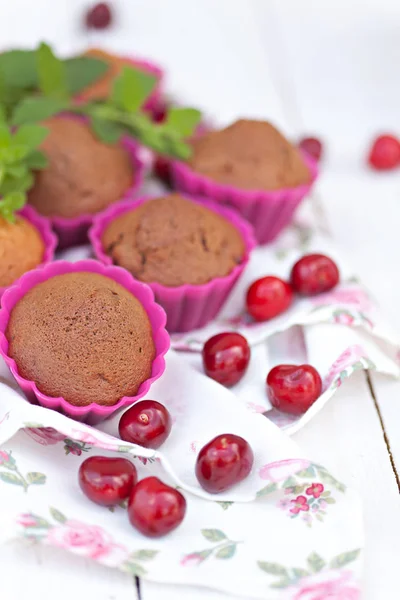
x=251 y=166
x=190 y=251
x=83 y=338
x=25 y=243
x=83 y=175
x=173 y=241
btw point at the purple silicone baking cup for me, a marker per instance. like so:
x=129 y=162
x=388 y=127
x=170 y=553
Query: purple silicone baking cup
x=71 y=232
x=43 y=227
x=93 y=413
x=187 y=306
x=268 y=211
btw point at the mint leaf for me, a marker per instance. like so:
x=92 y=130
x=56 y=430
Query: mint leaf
x=5 y=135
x=20 y=184
x=8 y=205
x=17 y=68
x=183 y=120
x=36 y=160
x=34 y=109
x=82 y=71
x=51 y=73
x=131 y=88
x=3 y=115
x=106 y=131
x=29 y=136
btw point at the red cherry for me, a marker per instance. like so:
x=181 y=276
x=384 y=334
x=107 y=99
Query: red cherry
x=147 y=423
x=384 y=153
x=293 y=389
x=159 y=111
x=107 y=481
x=226 y=357
x=161 y=169
x=99 y=16
x=313 y=147
x=268 y=297
x=155 y=508
x=314 y=274
x=224 y=461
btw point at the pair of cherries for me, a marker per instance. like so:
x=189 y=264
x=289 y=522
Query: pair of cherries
x=155 y=508
x=226 y=356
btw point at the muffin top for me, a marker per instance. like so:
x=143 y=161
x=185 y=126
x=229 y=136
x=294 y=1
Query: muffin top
x=173 y=241
x=21 y=249
x=82 y=336
x=251 y=155
x=83 y=176
x=101 y=88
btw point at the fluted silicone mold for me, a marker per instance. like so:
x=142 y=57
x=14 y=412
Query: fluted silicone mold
x=43 y=226
x=93 y=413
x=268 y=211
x=187 y=306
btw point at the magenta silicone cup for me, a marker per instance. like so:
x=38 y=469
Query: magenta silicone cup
x=73 y=231
x=93 y=413
x=268 y=211
x=43 y=226
x=187 y=306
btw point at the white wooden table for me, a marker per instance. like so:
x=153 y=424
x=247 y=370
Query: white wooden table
x=329 y=68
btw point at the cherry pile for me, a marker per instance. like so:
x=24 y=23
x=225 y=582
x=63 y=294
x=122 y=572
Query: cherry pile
x=226 y=356
x=155 y=508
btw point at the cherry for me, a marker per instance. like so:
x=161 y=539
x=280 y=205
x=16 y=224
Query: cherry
x=313 y=147
x=147 y=423
x=99 y=16
x=268 y=297
x=293 y=389
x=155 y=508
x=314 y=274
x=226 y=357
x=107 y=481
x=162 y=170
x=384 y=153
x=224 y=461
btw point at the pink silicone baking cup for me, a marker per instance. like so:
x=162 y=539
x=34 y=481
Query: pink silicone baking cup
x=49 y=238
x=268 y=211
x=73 y=231
x=93 y=413
x=187 y=306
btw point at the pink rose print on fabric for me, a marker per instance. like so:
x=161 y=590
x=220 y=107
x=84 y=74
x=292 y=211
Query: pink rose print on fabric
x=27 y=520
x=191 y=560
x=315 y=490
x=46 y=436
x=88 y=437
x=354 y=297
x=298 y=504
x=350 y=356
x=280 y=470
x=328 y=586
x=4 y=457
x=90 y=541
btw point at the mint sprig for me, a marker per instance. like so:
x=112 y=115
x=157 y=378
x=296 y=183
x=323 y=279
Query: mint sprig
x=19 y=155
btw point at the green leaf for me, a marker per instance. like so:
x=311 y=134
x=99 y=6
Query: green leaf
x=82 y=71
x=11 y=185
x=281 y=584
x=299 y=573
x=51 y=73
x=343 y=559
x=5 y=135
x=134 y=569
x=35 y=478
x=213 y=535
x=35 y=109
x=131 y=89
x=306 y=473
x=3 y=115
x=272 y=568
x=30 y=136
x=36 y=160
x=11 y=478
x=268 y=489
x=17 y=68
x=289 y=482
x=106 y=131
x=144 y=554
x=225 y=505
x=183 y=120
x=315 y=562
x=57 y=515
x=226 y=551
x=330 y=500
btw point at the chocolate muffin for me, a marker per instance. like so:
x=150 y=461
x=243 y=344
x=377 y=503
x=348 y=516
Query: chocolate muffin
x=83 y=176
x=83 y=337
x=101 y=89
x=21 y=249
x=173 y=241
x=251 y=155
